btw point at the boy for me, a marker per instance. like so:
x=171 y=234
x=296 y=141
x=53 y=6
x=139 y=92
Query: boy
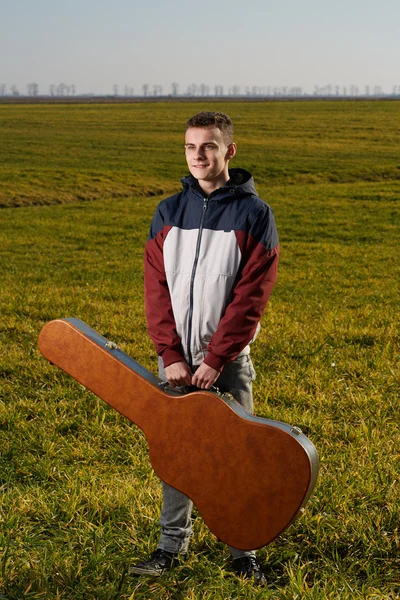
x=210 y=265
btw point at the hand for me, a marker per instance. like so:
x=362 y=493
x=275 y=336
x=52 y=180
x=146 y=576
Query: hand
x=205 y=376
x=178 y=374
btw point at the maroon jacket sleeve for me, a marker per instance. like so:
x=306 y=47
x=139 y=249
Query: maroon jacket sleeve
x=250 y=296
x=160 y=319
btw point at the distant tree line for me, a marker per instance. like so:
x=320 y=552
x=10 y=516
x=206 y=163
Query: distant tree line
x=32 y=89
x=203 y=90
x=354 y=90
x=62 y=89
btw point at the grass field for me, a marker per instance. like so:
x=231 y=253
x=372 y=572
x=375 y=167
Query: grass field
x=79 y=501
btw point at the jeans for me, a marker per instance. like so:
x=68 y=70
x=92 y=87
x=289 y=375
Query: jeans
x=175 y=520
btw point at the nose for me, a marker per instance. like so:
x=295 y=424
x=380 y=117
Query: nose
x=199 y=153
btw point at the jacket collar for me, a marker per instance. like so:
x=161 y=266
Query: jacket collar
x=240 y=182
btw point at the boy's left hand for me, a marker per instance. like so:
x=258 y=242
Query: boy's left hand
x=205 y=376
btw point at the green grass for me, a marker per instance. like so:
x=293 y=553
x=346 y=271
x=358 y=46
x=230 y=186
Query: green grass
x=51 y=154
x=79 y=500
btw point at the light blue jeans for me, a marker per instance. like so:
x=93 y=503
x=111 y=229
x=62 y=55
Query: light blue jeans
x=175 y=520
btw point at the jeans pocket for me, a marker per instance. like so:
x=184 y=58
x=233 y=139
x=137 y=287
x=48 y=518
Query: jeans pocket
x=252 y=370
x=244 y=367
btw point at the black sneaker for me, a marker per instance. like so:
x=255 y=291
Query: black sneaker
x=160 y=562
x=249 y=568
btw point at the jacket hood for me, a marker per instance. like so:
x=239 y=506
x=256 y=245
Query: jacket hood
x=240 y=182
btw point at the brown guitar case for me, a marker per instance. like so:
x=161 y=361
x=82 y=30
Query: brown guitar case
x=249 y=477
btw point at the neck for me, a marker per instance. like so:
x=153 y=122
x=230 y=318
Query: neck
x=209 y=187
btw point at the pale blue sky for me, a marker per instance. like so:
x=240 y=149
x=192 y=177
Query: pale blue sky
x=97 y=43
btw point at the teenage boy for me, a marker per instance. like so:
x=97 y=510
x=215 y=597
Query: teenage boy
x=210 y=265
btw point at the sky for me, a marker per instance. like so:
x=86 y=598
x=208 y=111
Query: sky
x=96 y=44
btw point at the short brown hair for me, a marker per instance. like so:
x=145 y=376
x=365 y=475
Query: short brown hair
x=213 y=119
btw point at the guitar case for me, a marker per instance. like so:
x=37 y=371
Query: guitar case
x=248 y=477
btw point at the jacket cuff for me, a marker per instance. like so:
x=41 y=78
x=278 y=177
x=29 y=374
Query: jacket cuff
x=215 y=362
x=171 y=356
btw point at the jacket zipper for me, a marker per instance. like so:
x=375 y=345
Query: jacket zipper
x=192 y=277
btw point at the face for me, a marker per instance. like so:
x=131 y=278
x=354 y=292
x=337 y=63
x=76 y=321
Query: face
x=208 y=155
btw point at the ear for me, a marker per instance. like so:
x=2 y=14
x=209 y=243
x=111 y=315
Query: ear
x=231 y=151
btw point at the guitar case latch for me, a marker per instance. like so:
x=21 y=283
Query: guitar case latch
x=296 y=430
x=111 y=345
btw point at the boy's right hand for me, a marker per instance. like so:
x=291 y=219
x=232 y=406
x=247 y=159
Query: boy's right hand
x=178 y=374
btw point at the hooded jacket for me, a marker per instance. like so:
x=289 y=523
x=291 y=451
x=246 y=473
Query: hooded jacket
x=210 y=266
